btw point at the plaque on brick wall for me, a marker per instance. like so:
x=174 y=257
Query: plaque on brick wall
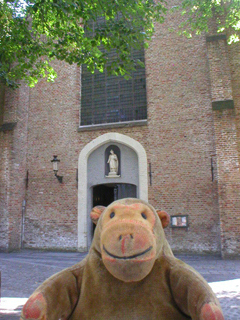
x=179 y=221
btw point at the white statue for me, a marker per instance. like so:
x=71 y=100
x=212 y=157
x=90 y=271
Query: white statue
x=113 y=164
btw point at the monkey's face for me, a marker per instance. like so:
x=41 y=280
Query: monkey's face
x=128 y=242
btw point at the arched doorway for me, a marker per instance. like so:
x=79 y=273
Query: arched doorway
x=91 y=172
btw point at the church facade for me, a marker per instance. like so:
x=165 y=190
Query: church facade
x=170 y=136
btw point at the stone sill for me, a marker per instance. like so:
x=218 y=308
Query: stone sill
x=222 y=105
x=216 y=37
x=113 y=125
x=7 y=126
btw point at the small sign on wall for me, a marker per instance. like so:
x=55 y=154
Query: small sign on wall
x=179 y=221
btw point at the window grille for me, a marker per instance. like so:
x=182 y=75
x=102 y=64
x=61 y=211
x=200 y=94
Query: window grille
x=110 y=99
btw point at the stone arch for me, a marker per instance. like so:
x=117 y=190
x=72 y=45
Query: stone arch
x=82 y=177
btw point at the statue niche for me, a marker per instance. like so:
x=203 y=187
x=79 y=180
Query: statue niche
x=112 y=162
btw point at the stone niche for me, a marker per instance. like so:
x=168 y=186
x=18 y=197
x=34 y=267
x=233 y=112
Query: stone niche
x=112 y=162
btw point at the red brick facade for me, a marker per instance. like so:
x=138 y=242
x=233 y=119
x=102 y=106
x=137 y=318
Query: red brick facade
x=191 y=139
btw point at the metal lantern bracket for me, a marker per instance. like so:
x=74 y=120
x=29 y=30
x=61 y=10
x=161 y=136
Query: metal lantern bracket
x=55 y=162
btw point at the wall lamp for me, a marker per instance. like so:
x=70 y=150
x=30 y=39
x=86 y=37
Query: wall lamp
x=55 y=161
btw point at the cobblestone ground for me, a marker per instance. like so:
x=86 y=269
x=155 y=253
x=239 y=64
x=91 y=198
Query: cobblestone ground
x=22 y=272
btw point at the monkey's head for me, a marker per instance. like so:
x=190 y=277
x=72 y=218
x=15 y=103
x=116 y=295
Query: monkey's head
x=129 y=236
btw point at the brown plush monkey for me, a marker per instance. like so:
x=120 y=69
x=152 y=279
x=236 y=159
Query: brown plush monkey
x=130 y=273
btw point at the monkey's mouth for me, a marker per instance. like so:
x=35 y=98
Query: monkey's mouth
x=127 y=257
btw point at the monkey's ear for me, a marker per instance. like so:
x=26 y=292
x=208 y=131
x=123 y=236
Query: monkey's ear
x=164 y=217
x=96 y=212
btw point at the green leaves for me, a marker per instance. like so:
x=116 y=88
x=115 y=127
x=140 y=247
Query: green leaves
x=198 y=13
x=32 y=33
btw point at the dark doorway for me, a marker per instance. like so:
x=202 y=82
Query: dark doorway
x=104 y=194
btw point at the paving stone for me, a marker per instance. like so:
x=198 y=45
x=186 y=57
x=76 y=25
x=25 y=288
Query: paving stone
x=22 y=272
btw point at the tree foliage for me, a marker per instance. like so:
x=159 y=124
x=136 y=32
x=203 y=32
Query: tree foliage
x=225 y=14
x=34 y=32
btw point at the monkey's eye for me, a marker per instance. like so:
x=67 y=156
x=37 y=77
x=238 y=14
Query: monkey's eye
x=112 y=214
x=144 y=216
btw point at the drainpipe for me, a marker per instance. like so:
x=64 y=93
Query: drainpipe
x=23 y=218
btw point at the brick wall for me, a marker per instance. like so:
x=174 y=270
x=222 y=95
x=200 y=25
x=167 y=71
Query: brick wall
x=234 y=58
x=13 y=143
x=178 y=140
x=223 y=68
x=51 y=212
x=2 y=98
x=4 y=187
x=193 y=149
x=181 y=137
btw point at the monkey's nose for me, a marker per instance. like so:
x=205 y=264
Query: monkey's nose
x=125 y=241
x=127 y=236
